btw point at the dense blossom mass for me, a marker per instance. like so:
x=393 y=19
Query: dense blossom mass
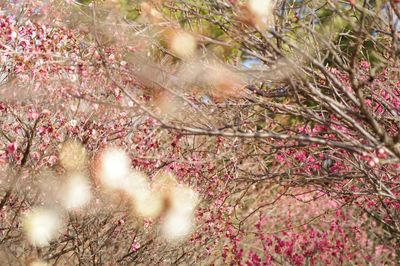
x=199 y=132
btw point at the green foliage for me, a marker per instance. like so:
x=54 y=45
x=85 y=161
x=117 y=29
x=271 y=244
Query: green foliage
x=130 y=9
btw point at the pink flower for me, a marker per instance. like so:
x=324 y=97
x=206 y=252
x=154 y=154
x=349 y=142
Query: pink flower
x=13 y=35
x=46 y=112
x=36 y=155
x=280 y=158
x=364 y=64
x=52 y=160
x=371 y=163
x=12 y=147
x=32 y=115
x=2 y=107
x=135 y=246
x=298 y=259
x=254 y=258
x=301 y=156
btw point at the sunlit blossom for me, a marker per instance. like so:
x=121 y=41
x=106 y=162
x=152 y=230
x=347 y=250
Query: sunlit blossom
x=176 y=226
x=76 y=192
x=147 y=203
x=36 y=262
x=164 y=182
x=149 y=206
x=223 y=81
x=183 y=199
x=115 y=167
x=260 y=7
x=261 y=10
x=183 y=44
x=41 y=225
x=136 y=185
x=73 y=155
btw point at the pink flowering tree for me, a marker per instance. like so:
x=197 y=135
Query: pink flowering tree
x=199 y=132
